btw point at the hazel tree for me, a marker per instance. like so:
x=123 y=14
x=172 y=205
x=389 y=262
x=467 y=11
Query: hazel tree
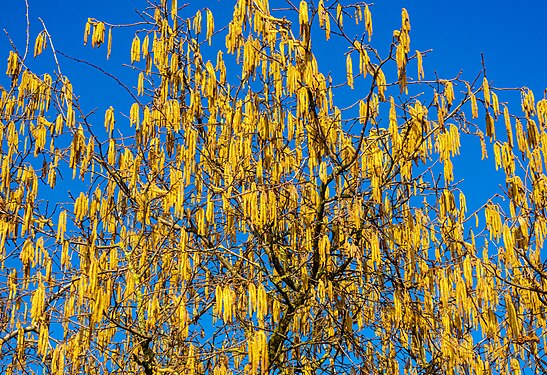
x=248 y=212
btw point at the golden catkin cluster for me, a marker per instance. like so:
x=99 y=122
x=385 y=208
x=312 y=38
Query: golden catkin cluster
x=244 y=211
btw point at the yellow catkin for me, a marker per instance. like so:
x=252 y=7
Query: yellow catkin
x=61 y=226
x=508 y=128
x=486 y=91
x=136 y=50
x=210 y=26
x=368 y=22
x=40 y=43
x=495 y=104
x=97 y=38
x=109 y=120
x=87 y=31
x=174 y=9
x=449 y=92
x=134 y=115
x=349 y=71
x=197 y=22
x=490 y=127
x=109 y=45
x=381 y=83
x=419 y=60
x=140 y=84
x=513 y=322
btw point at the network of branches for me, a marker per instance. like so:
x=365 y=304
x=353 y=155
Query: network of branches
x=249 y=212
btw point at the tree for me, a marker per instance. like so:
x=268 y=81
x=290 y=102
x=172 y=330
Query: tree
x=240 y=220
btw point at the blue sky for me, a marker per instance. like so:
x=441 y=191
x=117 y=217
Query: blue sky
x=513 y=39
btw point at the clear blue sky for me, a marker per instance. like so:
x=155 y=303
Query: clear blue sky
x=512 y=36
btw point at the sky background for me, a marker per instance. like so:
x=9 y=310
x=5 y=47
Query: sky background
x=513 y=39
